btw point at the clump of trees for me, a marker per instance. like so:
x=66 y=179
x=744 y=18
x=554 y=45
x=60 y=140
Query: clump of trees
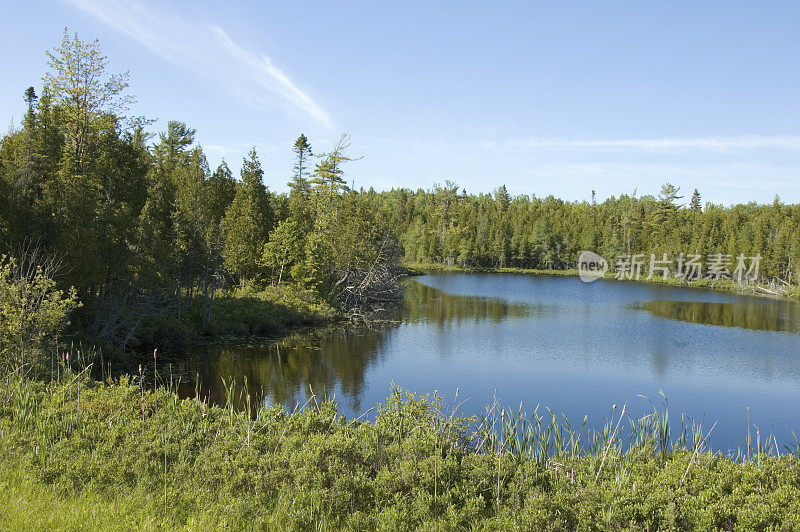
x=334 y=240
x=144 y=226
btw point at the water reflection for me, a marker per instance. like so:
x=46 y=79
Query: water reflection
x=575 y=347
x=760 y=316
x=327 y=363
x=423 y=303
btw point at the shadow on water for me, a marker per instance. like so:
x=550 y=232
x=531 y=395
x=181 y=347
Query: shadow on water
x=331 y=362
x=772 y=316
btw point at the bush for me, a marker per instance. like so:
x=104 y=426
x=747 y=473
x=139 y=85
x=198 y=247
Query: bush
x=32 y=314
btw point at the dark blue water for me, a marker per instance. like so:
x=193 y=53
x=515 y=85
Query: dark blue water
x=576 y=347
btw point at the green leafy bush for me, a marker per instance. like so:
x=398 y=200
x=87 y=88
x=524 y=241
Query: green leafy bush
x=32 y=313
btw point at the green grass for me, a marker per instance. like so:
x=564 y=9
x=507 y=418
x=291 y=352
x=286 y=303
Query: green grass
x=32 y=505
x=419 y=268
x=85 y=455
x=237 y=313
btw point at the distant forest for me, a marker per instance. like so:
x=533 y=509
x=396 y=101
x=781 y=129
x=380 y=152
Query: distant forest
x=136 y=221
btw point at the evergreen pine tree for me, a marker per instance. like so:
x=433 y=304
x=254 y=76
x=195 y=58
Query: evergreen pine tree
x=247 y=221
x=694 y=204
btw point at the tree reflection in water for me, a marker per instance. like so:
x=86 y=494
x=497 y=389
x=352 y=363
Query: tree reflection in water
x=330 y=363
x=772 y=316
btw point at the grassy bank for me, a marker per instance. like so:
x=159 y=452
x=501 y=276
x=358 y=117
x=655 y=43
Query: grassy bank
x=82 y=454
x=236 y=313
x=722 y=285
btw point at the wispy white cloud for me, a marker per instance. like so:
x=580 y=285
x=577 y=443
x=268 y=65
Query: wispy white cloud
x=264 y=73
x=743 y=142
x=207 y=51
x=720 y=181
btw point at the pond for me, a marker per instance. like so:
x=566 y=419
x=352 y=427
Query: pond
x=577 y=348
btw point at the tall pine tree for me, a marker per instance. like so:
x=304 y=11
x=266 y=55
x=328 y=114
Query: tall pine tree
x=248 y=221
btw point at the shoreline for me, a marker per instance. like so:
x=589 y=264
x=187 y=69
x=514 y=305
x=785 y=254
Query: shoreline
x=724 y=285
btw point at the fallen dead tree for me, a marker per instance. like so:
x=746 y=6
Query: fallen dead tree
x=365 y=293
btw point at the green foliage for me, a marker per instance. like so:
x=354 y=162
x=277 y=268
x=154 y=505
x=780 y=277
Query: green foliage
x=44 y=510
x=32 y=314
x=247 y=221
x=171 y=151
x=177 y=463
x=335 y=241
x=243 y=311
x=695 y=204
x=442 y=227
x=299 y=184
x=87 y=95
x=285 y=247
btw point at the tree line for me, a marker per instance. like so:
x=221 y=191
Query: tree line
x=448 y=227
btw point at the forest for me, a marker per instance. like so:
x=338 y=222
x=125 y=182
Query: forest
x=146 y=233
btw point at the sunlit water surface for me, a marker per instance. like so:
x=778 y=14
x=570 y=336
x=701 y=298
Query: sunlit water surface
x=575 y=347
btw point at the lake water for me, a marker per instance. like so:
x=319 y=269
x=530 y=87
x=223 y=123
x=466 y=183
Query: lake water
x=575 y=347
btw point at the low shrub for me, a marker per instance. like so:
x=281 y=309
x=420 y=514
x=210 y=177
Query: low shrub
x=184 y=463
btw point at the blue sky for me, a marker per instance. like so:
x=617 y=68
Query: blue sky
x=548 y=98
